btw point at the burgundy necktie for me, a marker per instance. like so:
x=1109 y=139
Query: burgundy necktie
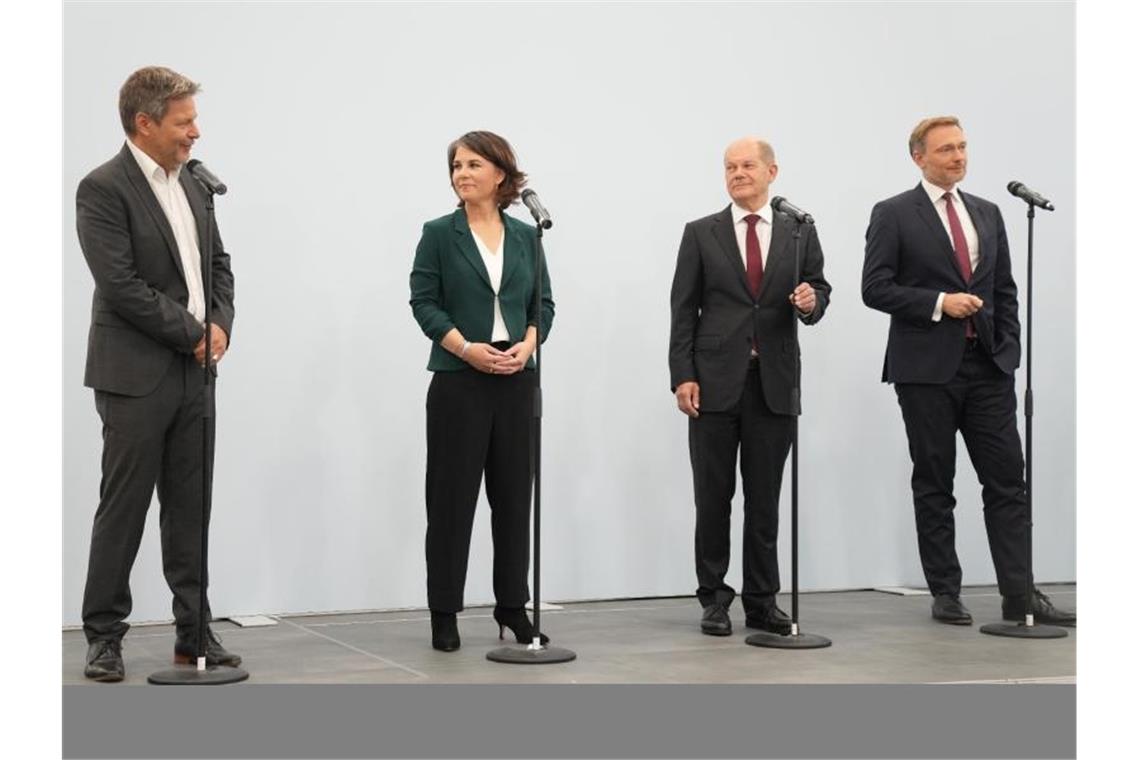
x=752 y=255
x=961 y=251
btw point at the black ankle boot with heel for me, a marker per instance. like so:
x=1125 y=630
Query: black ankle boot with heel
x=444 y=631
x=519 y=623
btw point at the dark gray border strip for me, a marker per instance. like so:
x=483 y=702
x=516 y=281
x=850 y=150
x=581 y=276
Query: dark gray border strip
x=564 y=721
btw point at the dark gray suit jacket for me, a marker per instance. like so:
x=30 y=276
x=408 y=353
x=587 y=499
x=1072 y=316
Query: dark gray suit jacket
x=714 y=316
x=909 y=260
x=139 y=319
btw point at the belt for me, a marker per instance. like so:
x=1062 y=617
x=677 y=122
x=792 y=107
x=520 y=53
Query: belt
x=501 y=345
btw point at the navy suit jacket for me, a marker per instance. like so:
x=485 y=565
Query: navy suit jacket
x=909 y=259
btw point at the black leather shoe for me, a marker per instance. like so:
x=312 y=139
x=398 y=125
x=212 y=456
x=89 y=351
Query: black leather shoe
x=771 y=619
x=519 y=623
x=444 y=631
x=948 y=608
x=1013 y=608
x=105 y=661
x=186 y=650
x=715 y=621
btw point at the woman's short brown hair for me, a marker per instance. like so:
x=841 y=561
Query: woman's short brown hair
x=498 y=151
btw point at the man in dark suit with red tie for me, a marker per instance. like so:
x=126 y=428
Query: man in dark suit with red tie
x=937 y=260
x=732 y=364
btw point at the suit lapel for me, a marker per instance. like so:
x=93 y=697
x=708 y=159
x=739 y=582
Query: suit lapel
x=143 y=189
x=985 y=257
x=725 y=236
x=514 y=249
x=197 y=206
x=777 y=250
x=929 y=216
x=465 y=242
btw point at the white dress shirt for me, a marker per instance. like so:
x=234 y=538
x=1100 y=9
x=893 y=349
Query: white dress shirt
x=936 y=197
x=172 y=198
x=763 y=231
x=493 y=260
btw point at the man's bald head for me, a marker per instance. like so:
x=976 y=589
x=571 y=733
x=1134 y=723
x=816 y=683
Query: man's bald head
x=761 y=147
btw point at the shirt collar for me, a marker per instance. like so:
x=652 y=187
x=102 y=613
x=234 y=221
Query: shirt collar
x=936 y=193
x=149 y=166
x=765 y=213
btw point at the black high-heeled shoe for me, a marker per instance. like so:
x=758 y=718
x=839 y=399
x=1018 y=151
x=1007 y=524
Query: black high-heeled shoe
x=444 y=631
x=519 y=623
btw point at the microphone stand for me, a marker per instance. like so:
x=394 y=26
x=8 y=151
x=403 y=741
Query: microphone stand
x=797 y=639
x=1027 y=629
x=535 y=653
x=204 y=674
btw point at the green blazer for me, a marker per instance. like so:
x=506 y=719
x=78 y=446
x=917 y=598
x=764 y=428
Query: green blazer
x=451 y=288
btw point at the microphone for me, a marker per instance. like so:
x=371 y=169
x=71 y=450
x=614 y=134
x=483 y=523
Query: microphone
x=1030 y=197
x=208 y=179
x=537 y=210
x=782 y=205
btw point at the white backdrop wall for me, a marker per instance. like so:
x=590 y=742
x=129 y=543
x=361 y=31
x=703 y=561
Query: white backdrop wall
x=330 y=123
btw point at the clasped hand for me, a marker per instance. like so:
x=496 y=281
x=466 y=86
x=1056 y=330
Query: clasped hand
x=486 y=358
x=219 y=342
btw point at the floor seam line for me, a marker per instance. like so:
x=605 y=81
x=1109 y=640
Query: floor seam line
x=358 y=650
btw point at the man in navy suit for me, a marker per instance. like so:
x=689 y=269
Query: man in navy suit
x=937 y=260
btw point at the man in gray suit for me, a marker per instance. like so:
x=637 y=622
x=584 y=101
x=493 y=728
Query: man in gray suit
x=142 y=224
x=732 y=364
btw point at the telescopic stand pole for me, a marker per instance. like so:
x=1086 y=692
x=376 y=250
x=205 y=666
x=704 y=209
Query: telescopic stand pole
x=204 y=674
x=535 y=653
x=1027 y=629
x=796 y=639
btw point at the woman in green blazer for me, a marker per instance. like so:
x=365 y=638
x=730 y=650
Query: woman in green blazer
x=472 y=289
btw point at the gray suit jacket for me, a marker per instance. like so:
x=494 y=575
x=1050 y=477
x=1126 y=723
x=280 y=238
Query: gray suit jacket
x=714 y=316
x=139 y=319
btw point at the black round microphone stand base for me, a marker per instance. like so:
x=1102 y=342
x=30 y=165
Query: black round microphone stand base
x=794 y=640
x=1024 y=630
x=531 y=654
x=213 y=675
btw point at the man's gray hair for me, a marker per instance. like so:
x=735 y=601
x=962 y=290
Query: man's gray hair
x=149 y=91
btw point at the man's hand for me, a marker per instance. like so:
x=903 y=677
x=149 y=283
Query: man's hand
x=219 y=342
x=689 y=398
x=961 y=305
x=803 y=298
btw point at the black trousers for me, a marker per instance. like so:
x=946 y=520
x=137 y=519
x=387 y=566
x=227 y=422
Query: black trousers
x=148 y=441
x=981 y=403
x=763 y=439
x=478 y=429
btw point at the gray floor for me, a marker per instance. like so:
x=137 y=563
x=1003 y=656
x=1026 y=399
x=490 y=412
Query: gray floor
x=878 y=638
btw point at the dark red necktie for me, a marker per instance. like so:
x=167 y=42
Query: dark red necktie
x=752 y=255
x=961 y=251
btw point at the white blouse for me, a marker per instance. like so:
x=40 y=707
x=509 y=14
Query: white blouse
x=493 y=260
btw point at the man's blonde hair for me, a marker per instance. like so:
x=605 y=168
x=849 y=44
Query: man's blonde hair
x=917 y=142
